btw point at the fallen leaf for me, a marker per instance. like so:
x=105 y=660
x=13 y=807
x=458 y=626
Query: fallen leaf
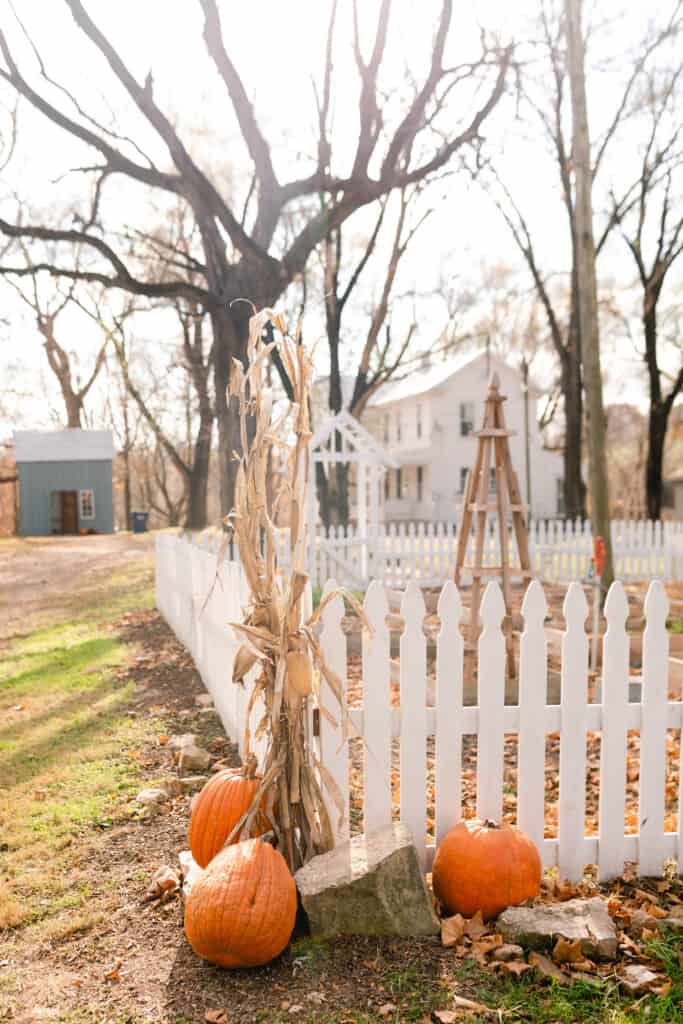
x=547 y=968
x=567 y=952
x=386 y=1009
x=649 y=934
x=216 y=1017
x=295 y=1008
x=113 y=973
x=654 y=911
x=514 y=967
x=475 y=927
x=452 y=930
x=445 y=1016
x=163 y=740
x=469 y=1004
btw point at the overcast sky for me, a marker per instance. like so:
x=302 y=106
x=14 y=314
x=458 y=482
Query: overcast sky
x=278 y=48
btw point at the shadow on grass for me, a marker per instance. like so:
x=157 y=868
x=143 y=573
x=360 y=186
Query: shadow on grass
x=32 y=758
x=51 y=666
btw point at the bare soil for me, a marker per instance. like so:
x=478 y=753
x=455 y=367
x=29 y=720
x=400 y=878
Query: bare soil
x=40 y=574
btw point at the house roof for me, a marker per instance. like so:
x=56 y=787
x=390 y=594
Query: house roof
x=421 y=381
x=73 y=445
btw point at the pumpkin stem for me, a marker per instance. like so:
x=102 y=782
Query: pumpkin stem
x=250 y=766
x=490 y=823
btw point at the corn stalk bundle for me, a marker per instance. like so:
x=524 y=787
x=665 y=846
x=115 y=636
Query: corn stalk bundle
x=275 y=637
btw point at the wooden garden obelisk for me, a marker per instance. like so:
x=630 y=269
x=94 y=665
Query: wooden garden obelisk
x=493 y=450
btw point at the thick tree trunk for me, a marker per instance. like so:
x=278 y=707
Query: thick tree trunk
x=229 y=344
x=588 y=292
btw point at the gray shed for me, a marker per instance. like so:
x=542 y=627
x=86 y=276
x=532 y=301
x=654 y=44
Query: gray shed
x=65 y=481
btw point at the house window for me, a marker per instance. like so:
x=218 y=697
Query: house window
x=466 y=418
x=399 y=483
x=420 y=479
x=86 y=504
x=398 y=427
x=559 y=495
x=418 y=425
x=463 y=478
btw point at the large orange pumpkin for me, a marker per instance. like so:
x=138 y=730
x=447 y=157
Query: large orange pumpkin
x=241 y=910
x=218 y=808
x=481 y=865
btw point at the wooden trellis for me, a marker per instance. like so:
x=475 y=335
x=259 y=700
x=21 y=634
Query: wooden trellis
x=507 y=501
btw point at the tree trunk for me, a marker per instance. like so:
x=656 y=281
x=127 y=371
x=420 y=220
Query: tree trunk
x=657 y=426
x=73 y=406
x=588 y=292
x=198 y=479
x=228 y=345
x=574 y=487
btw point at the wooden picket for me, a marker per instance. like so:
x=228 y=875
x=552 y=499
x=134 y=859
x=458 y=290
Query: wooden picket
x=199 y=593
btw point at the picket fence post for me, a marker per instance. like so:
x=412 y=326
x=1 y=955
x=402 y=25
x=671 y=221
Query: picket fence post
x=334 y=752
x=376 y=710
x=533 y=689
x=615 y=673
x=449 y=695
x=574 y=686
x=651 y=854
x=413 y=683
x=491 y=701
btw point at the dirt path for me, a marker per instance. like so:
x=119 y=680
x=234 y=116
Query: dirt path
x=40 y=576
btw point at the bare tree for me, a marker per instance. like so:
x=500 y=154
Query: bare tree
x=546 y=94
x=587 y=283
x=654 y=222
x=191 y=455
x=381 y=353
x=62 y=362
x=239 y=251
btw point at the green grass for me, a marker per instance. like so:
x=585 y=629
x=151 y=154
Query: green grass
x=65 y=767
x=676 y=625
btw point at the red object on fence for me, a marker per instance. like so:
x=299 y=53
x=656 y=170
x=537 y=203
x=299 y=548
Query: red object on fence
x=599 y=554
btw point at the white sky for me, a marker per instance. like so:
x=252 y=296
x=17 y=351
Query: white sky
x=278 y=48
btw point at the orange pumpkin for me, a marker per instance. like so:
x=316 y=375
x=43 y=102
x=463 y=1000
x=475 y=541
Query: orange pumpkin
x=241 y=910
x=218 y=808
x=481 y=865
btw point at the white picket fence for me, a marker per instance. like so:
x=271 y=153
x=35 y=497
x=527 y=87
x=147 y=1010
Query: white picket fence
x=560 y=551
x=198 y=598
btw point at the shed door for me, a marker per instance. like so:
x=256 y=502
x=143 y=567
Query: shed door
x=69 y=511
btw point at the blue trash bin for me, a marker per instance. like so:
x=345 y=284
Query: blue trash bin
x=138 y=522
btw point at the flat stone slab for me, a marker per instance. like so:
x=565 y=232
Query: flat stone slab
x=540 y=927
x=371 y=885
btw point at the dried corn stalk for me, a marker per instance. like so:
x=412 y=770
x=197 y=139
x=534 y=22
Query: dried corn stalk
x=274 y=634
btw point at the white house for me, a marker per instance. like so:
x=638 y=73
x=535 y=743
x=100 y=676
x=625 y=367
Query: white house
x=426 y=421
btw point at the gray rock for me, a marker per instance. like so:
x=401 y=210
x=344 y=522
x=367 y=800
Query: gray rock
x=151 y=796
x=180 y=740
x=539 y=927
x=190 y=871
x=204 y=700
x=636 y=978
x=193 y=759
x=371 y=885
x=508 y=951
x=192 y=783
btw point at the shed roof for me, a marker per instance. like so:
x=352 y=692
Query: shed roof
x=73 y=445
